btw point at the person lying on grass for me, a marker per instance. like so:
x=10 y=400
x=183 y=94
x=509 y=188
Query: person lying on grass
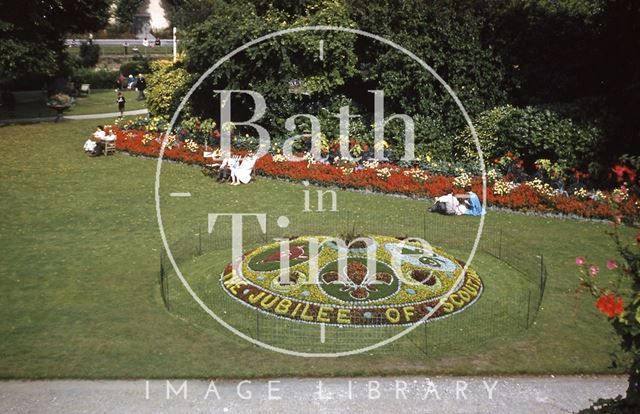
x=458 y=204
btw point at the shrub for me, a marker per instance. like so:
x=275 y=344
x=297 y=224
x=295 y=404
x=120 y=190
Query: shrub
x=89 y=55
x=60 y=100
x=532 y=133
x=166 y=85
x=99 y=79
x=134 y=67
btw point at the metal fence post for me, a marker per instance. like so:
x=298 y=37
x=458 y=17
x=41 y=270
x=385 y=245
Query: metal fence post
x=257 y=325
x=163 y=281
x=425 y=338
x=424 y=225
x=528 y=307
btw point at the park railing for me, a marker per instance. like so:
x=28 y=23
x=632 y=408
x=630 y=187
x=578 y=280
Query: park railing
x=513 y=273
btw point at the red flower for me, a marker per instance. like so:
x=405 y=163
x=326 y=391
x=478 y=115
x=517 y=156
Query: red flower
x=621 y=170
x=580 y=260
x=523 y=198
x=610 y=305
x=612 y=264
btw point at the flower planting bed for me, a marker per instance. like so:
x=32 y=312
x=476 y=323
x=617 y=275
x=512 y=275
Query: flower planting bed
x=401 y=285
x=532 y=196
x=493 y=301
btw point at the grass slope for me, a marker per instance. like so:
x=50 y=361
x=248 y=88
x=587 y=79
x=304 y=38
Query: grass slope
x=79 y=274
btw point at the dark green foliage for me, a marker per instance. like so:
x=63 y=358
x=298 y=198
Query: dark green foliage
x=99 y=79
x=125 y=10
x=89 y=54
x=32 y=33
x=545 y=47
x=134 y=67
x=352 y=64
x=268 y=67
x=447 y=36
x=186 y=13
x=571 y=51
x=532 y=133
x=574 y=59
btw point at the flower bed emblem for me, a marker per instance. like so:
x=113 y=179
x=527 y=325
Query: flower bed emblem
x=355 y=280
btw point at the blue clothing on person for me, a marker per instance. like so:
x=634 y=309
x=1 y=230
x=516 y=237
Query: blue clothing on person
x=475 y=208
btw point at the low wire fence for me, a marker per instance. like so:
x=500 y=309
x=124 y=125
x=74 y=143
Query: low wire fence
x=513 y=274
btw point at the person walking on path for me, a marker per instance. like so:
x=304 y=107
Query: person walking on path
x=141 y=85
x=121 y=101
x=126 y=47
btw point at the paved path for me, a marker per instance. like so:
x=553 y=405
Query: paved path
x=118 y=42
x=73 y=117
x=512 y=395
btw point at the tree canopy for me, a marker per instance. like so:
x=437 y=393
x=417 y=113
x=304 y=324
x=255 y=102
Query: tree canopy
x=33 y=33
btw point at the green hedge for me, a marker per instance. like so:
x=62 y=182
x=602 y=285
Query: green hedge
x=89 y=55
x=99 y=79
x=532 y=133
x=134 y=67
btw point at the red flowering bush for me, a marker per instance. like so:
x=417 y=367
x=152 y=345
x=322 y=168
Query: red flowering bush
x=610 y=305
x=625 y=318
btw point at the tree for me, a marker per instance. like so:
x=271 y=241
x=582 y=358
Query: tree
x=89 y=54
x=125 y=11
x=268 y=67
x=33 y=34
x=448 y=36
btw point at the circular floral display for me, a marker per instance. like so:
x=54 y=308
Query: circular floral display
x=374 y=281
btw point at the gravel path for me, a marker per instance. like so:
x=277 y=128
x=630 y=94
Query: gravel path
x=512 y=395
x=72 y=117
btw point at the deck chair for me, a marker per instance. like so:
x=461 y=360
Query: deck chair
x=85 y=89
x=109 y=143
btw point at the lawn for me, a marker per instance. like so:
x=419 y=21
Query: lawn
x=31 y=104
x=79 y=274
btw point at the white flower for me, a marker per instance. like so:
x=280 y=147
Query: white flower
x=417 y=174
x=371 y=164
x=541 y=188
x=463 y=180
x=191 y=145
x=503 y=187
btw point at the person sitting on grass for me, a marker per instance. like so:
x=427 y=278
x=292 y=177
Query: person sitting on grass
x=224 y=172
x=458 y=204
x=241 y=174
x=94 y=144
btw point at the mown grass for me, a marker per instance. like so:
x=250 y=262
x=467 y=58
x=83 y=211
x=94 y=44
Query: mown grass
x=32 y=104
x=79 y=274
